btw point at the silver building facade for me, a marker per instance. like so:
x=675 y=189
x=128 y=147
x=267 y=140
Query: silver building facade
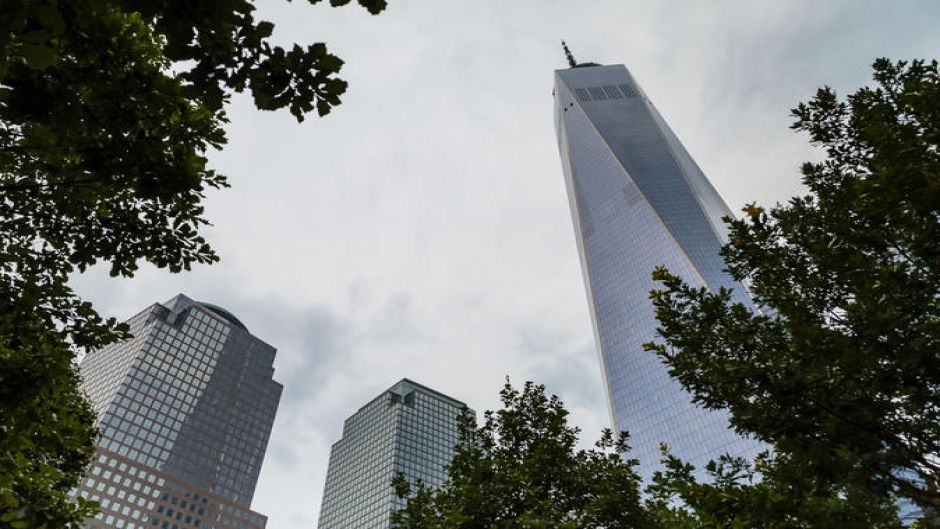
x=185 y=410
x=410 y=429
x=638 y=201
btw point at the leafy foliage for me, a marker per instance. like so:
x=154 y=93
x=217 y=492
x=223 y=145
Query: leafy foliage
x=107 y=109
x=771 y=493
x=521 y=469
x=841 y=372
x=47 y=428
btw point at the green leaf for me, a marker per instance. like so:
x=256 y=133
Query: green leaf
x=38 y=57
x=264 y=29
x=41 y=36
x=50 y=18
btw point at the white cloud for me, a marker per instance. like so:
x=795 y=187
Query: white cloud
x=422 y=230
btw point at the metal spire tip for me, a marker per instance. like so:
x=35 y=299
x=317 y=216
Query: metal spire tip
x=573 y=63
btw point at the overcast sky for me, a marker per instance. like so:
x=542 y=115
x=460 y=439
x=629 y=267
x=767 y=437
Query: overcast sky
x=423 y=230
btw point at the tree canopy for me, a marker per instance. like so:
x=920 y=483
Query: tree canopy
x=107 y=111
x=840 y=373
x=522 y=469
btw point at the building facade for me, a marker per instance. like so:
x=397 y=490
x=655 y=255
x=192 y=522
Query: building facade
x=185 y=410
x=410 y=429
x=639 y=201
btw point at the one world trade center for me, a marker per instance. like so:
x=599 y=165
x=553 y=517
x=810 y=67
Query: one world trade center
x=638 y=201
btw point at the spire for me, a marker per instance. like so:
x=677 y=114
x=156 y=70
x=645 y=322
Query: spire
x=568 y=54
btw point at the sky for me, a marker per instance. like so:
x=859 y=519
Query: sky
x=422 y=229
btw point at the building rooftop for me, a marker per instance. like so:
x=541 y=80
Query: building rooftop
x=228 y=316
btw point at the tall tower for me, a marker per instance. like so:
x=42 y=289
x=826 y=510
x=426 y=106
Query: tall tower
x=638 y=201
x=410 y=429
x=185 y=409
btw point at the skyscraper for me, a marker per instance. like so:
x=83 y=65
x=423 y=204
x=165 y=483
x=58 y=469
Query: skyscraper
x=185 y=409
x=638 y=201
x=410 y=429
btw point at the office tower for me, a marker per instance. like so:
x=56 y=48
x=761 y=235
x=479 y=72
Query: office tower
x=410 y=429
x=638 y=201
x=185 y=409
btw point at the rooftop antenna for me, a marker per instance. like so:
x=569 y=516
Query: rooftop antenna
x=568 y=54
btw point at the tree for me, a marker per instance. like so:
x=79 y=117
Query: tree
x=773 y=492
x=840 y=373
x=107 y=109
x=521 y=469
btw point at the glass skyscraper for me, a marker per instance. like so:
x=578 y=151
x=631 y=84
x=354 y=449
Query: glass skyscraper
x=410 y=429
x=638 y=201
x=185 y=409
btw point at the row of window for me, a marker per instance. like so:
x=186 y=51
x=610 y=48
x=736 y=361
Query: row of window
x=146 y=389
x=125 y=492
x=414 y=434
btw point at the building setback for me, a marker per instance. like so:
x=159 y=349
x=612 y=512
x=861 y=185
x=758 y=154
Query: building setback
x=185 y=409
x=638 y=201
x=410 y=429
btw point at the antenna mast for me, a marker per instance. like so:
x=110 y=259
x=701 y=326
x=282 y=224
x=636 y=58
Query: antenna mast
x=568 y=54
